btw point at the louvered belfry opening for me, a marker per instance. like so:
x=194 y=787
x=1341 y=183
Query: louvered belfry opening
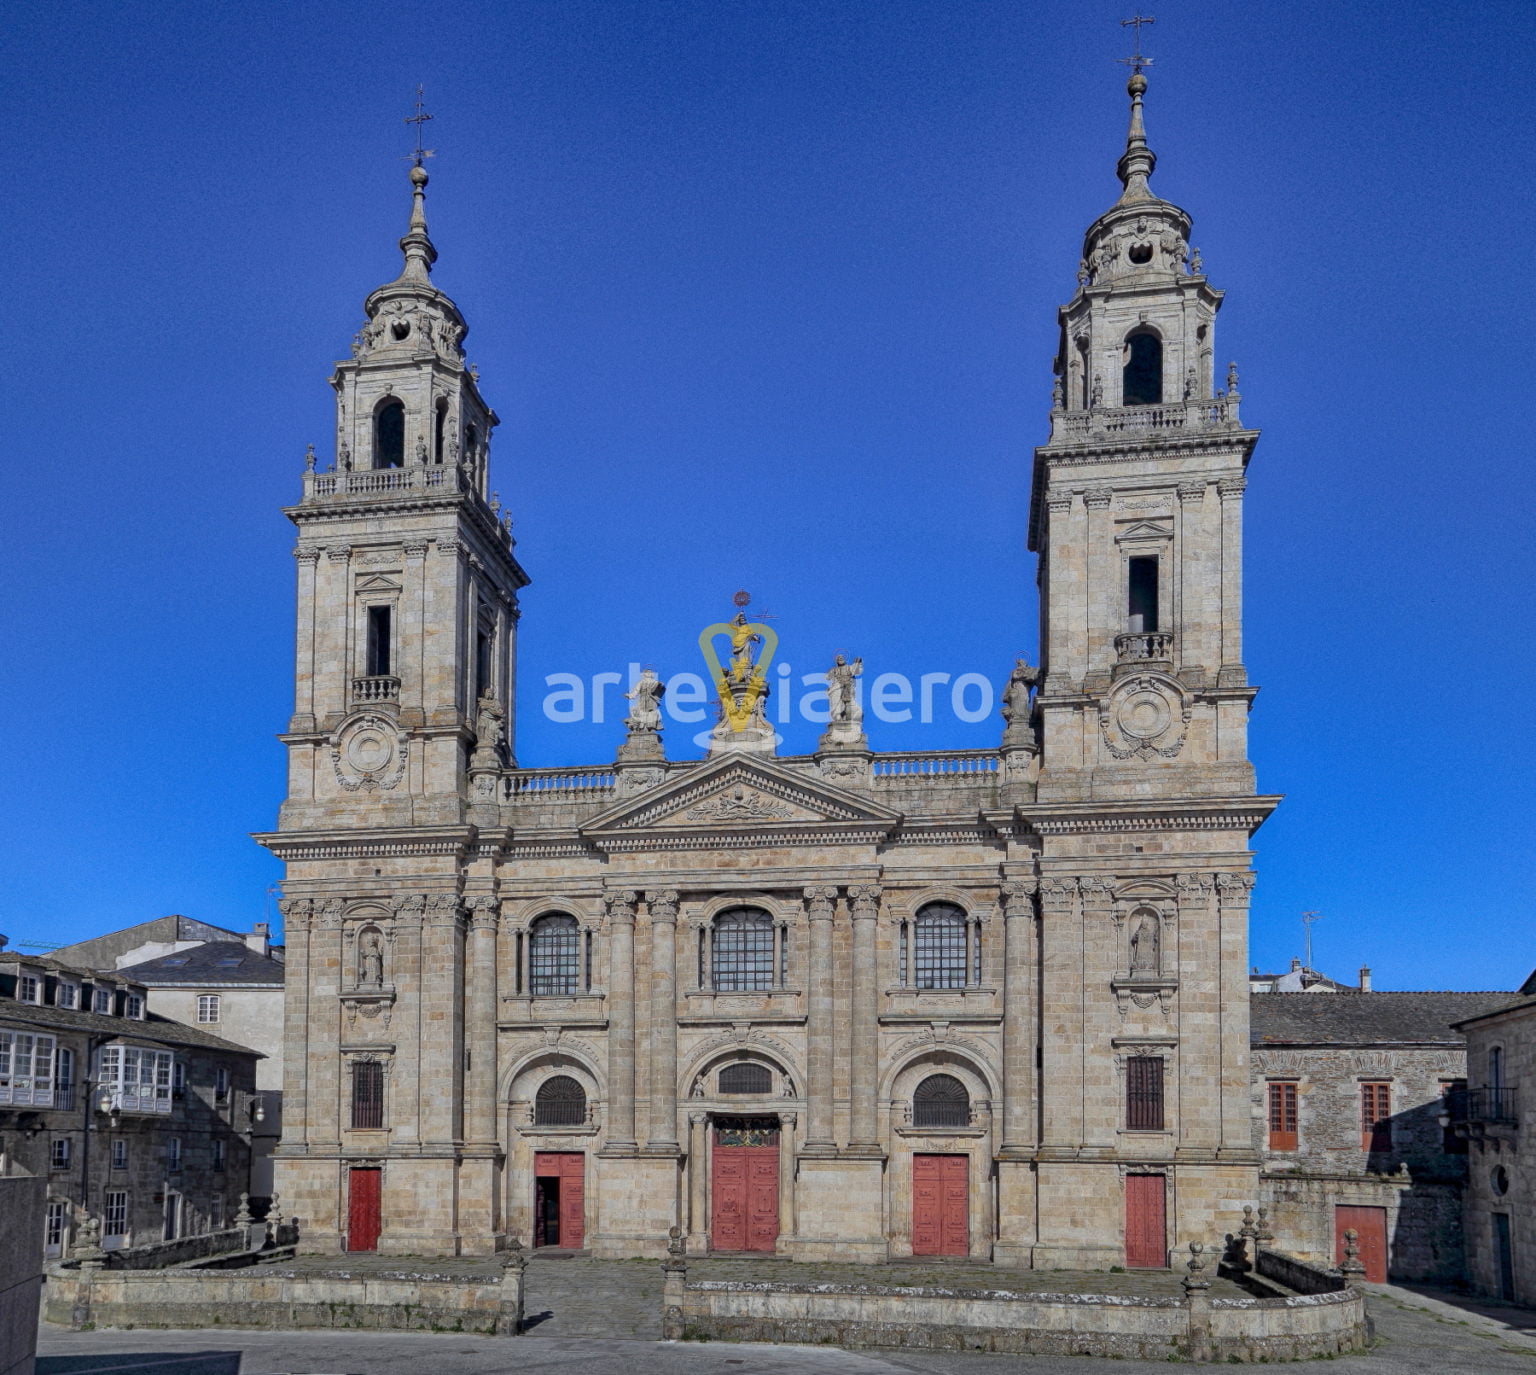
x=941 y=1100
x=746 y=1078
x=560 y=1102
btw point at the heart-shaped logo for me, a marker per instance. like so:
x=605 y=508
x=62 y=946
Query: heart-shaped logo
x=743 y=681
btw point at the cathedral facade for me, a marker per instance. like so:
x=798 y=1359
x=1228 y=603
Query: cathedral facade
x=847 y=1005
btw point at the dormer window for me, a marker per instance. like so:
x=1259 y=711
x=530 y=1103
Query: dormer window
x=67 y=995
x=1141 y=381
x=133 y=1006
x=102 y=1002
x=26 y=989
x=389 y=434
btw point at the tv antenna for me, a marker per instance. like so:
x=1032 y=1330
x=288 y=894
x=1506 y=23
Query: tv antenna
x=1307 y=918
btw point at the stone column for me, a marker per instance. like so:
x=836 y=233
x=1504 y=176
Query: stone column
x=1232 y=891
x=787 y=1226
x=1019 y=1111
x=663 y=909
x=480 y=1012
x=296 y=919
x=621 y=1022
x=698 y=1180
x=819 y=905
x=1231 y=493
x=864 y=909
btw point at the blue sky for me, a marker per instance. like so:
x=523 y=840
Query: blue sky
x=764 y=294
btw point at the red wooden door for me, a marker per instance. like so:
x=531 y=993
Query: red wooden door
x=1370 y=1226
x=941 y=1205
x=1146 y=1226
x=560 y=1179
x=744 y=1215
x=363 y=1188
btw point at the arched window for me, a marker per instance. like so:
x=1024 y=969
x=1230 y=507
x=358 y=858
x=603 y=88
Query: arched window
x=560 y=1102
x=938 y=953
x=1141 y=382
x=746 y=1079
x=742 y=956
x=554 y=957
x=439 y=429
x=389 y=435
x=941 y=1101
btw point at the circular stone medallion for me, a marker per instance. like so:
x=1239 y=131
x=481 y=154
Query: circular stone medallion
x=1144 y=715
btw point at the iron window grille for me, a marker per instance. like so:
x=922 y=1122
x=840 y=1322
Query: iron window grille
x=741 y=959
x=941 y=1100
x=554 y=957
x=938 y=954
x=560 y=1102
x=1144 y=1093
x=746 y=1079
x=367 y=1094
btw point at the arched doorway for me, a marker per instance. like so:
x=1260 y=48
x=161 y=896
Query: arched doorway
x=744 y=1184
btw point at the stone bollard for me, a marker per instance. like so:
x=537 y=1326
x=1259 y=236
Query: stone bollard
x=674 y=1286
x=514 y=1270
x=1352 y=1267
x=1197 y=1304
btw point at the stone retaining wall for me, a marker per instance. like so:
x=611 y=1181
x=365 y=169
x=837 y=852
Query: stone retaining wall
x=852 y=1315
x=268 y=1297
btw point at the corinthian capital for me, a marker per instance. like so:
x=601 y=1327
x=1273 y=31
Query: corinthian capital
x=1233 y=889
x=408 y=909
x=1057 y=890
x=819 y=903
x=621 y=904
x=864 y=900
x=1019 y=896
x=663 y=904
x=296 y=913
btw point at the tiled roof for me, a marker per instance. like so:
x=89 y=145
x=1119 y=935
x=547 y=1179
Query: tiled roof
x=1365 y=1019
x=216 y=962
x=1511 y=1003
x=151 y=1028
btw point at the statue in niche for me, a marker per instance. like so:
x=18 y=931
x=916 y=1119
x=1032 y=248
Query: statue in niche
x=370 y=960
x=1025 y=676
x=1146 y=957
x=842 y=699
x=489 y=732
x=646 y=696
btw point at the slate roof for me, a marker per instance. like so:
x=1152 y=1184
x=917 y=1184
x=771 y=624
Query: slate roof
x=216 y=963
x=1518 y=1004
x=152 y=1028
x=1365 y=1019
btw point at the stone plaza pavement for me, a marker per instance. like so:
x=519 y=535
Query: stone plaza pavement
x=589 y=1317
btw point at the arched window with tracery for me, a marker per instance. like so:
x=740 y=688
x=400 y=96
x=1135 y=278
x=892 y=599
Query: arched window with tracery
x=940 y=941
x=941 y=1100
x=554 y=956
x=389 y=434
x=560 y=1102
x=1141 y=379
x=741 y=951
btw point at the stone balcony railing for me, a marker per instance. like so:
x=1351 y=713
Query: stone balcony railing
x=1142 y=646
x=376 y=688
x=1215 y=413
x=377 y=481
x=930 y=764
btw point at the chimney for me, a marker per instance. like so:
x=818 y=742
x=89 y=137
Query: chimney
x=257 y=940
x=1295 y=964
x=1365 y=978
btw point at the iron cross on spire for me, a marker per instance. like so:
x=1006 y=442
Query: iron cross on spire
x=1136 y=61
x=419 y=119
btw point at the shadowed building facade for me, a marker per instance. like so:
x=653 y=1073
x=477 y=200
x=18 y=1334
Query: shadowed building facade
x=852 y=1004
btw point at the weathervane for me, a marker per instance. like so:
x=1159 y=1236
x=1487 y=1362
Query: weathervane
x=419 y=119
x=1136 y=62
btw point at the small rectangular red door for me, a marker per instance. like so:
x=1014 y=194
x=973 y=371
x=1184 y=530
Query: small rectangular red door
x=363 y=1189
x=560 y=1183
x=1370 y=1226
x=1146 y=1225
x=745 y=1198
x=941 y=1205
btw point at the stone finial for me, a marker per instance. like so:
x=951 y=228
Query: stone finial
x=1138 y=160
x=275 y=1212
x=1264 y=1234
x=1231 y=379
x=243 y=1212
x=1195 y=1279
x=309 y=458
x=1249 y=1228
x=515 y=1258
x=677 y=1251
x=1351 y=1267
x=1196 y=263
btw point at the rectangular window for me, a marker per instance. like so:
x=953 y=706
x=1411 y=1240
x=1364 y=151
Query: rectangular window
x=1283 y=1135
x=26 y=1069
x=59 y=1155
x=116 y=1222
x=178 y=1080
x=64 y=1069
x=218 y=1157
x=119 y=1154
x=26 y=989
x=55 y=1224
x=1144 y=1093
x=216 y=1212
x=367 y=1094
x=1141 y=600
x=221 y=1084
x=102 y=1002
x=173 y=1155
x=380 y=657
x=1375 y=1115
x=68 y=995
x=483 y=644
x=1454 y=1092
x=208 y=1007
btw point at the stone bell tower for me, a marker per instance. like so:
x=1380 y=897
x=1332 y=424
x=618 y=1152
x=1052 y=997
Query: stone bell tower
x=407 y=603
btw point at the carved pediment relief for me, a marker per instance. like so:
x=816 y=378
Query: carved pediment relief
x=741 y=793
x=377 y=582
x=1154 y=528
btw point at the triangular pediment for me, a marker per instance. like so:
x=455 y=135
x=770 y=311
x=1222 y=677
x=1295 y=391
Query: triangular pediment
x=377 y=582
x=1156 y=527
x=741 y=793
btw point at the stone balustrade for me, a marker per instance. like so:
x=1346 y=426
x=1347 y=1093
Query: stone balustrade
x=376 y=688
x=378 y=481
x=1215 y=413
x=1144 y=646
x=542 y=782
x=928 y=764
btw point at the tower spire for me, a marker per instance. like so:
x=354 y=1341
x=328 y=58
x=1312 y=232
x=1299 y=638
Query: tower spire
x=1138 y=160
x=417 y=245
